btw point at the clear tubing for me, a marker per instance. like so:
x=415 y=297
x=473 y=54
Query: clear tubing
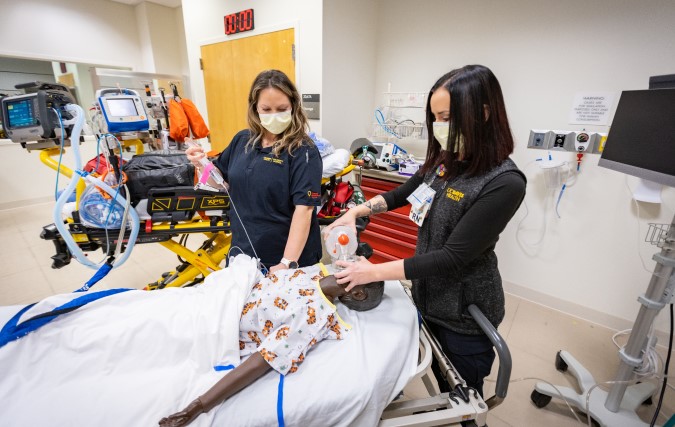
x=58 y=221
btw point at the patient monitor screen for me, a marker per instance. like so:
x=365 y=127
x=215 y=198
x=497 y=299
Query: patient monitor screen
x=122 y=107
x=20 y=114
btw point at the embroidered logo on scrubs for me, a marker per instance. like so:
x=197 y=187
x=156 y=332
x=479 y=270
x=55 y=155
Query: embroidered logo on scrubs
x=313 y=194
x=273 y=160
x=453 y=194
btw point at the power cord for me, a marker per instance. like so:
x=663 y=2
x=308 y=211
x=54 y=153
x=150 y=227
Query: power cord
x=589 y=421
x=665 y=371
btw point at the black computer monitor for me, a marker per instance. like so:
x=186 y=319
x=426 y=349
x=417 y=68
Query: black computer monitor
x=641 y=140
x=666 y=81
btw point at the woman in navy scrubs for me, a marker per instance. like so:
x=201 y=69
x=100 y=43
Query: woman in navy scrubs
x=274 y=174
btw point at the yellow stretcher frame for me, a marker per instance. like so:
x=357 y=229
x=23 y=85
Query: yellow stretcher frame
x=202 y=261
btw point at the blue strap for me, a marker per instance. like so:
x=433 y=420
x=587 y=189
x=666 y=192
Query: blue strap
x=100 y=274
x=11 y=323
x=11 y=331
x=223 y=367
x=280 y=402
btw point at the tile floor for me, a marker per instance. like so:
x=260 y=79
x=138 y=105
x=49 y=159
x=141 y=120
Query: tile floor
x=534 y=333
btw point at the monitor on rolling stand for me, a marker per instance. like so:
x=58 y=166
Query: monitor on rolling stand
x=641 y=142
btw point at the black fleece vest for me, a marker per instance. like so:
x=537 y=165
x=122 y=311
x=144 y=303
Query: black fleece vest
x=444 y=301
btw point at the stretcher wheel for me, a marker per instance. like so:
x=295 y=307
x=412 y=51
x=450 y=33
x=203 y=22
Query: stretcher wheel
x=539 y=399
x=560 y=364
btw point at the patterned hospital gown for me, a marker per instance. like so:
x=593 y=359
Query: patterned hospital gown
x=285 y=315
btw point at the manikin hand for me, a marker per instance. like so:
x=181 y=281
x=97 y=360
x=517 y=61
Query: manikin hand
x=184 y=417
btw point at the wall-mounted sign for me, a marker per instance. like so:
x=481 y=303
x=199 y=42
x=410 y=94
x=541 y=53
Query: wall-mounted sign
x=239 y=21
x=592 y=108
x=311 y=105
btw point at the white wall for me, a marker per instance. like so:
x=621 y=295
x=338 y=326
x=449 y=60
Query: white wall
x=349 y=61
x=204 y=25
x=543 y=52
x=89 y=31
x=15 y=71
x=98 y=32
x=162 y=39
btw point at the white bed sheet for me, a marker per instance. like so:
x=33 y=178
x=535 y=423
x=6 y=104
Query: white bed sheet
x=340 y=383
x=142 y=355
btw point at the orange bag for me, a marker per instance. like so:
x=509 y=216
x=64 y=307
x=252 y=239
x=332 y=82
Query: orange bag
x=178 y=122
x=195 y=120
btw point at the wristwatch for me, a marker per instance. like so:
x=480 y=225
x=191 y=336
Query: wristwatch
x=288 y=263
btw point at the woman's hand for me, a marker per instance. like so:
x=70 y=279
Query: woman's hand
x=184 y=417
x=194 y=154
x=355 y=273
x=276 y=268
x=348 y=219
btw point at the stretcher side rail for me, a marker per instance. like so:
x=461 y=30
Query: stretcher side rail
x=503 y=353
x=462 y=404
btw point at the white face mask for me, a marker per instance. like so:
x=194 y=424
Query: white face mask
x=442 y=132
x=276 y=123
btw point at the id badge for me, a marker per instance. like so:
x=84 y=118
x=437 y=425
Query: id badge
x=420 y=201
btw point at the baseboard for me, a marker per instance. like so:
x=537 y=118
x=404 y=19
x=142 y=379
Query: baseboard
x=26 y=202
x=576 y=310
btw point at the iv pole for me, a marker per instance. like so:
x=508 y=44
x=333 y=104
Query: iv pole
x=658 y=295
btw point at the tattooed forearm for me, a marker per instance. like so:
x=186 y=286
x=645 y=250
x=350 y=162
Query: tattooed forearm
x=378 y=205
x=375 y=205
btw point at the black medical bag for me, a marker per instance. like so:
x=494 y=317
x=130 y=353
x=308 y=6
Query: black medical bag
x=157 y=170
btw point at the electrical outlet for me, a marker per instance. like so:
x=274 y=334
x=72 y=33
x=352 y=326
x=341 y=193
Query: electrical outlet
x=598 y=140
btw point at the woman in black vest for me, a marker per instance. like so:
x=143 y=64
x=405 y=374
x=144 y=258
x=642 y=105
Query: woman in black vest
x=461 y=198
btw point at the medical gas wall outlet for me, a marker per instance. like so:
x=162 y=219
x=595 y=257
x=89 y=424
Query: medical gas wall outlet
x=538 y=139
x=563 y=140
x=581 y=141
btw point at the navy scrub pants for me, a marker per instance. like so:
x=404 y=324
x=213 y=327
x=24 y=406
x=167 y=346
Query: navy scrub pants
x=471 y=355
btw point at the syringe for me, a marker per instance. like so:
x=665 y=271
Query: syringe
x=209 y=170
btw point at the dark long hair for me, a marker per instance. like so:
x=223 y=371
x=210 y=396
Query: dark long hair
x=478 y=114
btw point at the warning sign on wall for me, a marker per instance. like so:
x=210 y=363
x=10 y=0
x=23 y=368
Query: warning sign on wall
x=592 y=108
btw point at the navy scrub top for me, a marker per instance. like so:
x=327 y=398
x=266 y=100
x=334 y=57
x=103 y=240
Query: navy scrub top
x=265 y=190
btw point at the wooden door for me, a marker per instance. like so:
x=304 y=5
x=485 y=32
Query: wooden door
x=229 y=69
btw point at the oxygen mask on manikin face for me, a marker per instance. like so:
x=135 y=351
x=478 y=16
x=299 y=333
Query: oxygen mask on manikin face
x=276 y=123
x=341 y=244
x=442 y=133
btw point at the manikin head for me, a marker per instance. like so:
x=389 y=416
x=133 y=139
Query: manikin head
x=360 y=298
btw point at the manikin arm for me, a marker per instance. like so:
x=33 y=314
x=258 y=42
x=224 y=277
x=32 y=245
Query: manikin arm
x=243 y=375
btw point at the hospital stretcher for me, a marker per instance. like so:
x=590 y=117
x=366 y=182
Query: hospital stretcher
x=113 y=364
x=170 y=217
